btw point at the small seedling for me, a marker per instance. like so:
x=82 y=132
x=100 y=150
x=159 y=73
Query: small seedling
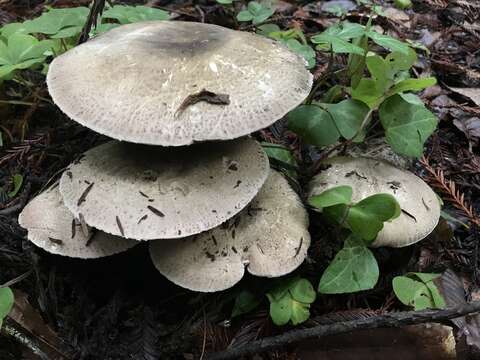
x=6 y=303
x=290 y=301
x=256 y=12
x=418 y=291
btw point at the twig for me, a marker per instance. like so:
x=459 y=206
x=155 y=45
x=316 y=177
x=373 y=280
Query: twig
x=448 y=187
x=23 y=339
x=382 y=321
x=16 y=280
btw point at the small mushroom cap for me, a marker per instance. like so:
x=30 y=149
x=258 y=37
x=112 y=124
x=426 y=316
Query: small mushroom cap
x=146 y=193
x=131 y=82
x=419 y=204
x=53 y=228
x=270 y=237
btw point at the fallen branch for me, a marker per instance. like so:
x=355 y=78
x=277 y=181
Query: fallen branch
x=382 y=321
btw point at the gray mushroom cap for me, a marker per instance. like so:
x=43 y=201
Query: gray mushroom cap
x=270 y=238
x=146 y=193
x=53 y=228
x=419 y=203
x=137 y=82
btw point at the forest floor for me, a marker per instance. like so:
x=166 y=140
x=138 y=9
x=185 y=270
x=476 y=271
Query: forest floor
x=121 y=308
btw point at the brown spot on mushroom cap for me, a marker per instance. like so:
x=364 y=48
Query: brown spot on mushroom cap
x=419 y=203
x=49 y=225
x=270 y=241
x=183 y=192
x=163 y=63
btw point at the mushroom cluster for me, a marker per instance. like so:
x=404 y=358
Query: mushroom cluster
x=182 y=99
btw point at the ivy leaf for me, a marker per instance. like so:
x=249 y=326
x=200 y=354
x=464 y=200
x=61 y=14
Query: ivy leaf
x=380 y=71
x=256 y=12
x=281 y=310
x=367 y=92
x=59 y=23
x=338 y=45
x=314 y=125
x=413 y=85
x=366 y=217
x=302 y=291
x=348 y=116
x=418 y=290
x=300 y=312
x=21 y=52
x=268 y=29
x=283 y=156
x=400 y=62
x=407 y=126
x=17 y=181
x=244 y=15
x=290 y=301
x=6 y=302
x=304 y=51
x=334 y=196
x=126 y=14
x=388 y=42
x=245 y=302
x=353 y=269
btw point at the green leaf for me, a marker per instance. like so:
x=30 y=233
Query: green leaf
x=302 y=291
x=304 y=51
x=300 y=312
x=334 y=196
x=56 y=20
x=400 y=61
x=411 y=98
x=225 y=2
x=348 y=116
x=403 y=4
x=9 y=29
x=388 y=42
x=366 y=217
x=6 y=302
x=245 y=302
x=126 y=14
x=338 y=45
x=268 y=29
x=256 y=12
x=281 y=310
x=314 y=125
x=368 y=93
x=424 y=277
x=413 y=85
x=437 y=298
x=420 y=294
x=380 y=71
x=283 y=156
x=407 y=126
x=21 y=52
x=17 y=181
x=353 y=269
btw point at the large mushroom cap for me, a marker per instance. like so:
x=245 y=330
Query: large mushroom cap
x=53 y=228
x=137 y=82
x=145 y=193
x=419 y=204
x=270 y=237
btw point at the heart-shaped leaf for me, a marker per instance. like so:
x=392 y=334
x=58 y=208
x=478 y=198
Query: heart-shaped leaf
x=353 y=269
x=6 y=302
x=334 y=196
x=314 y=125
x=366 y=217
x=407 y=126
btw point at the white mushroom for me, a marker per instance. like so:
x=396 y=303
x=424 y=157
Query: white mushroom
x=419 y=204
x=53 y=228
x=270 y=238
x=145 y=193
x=173 y=83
